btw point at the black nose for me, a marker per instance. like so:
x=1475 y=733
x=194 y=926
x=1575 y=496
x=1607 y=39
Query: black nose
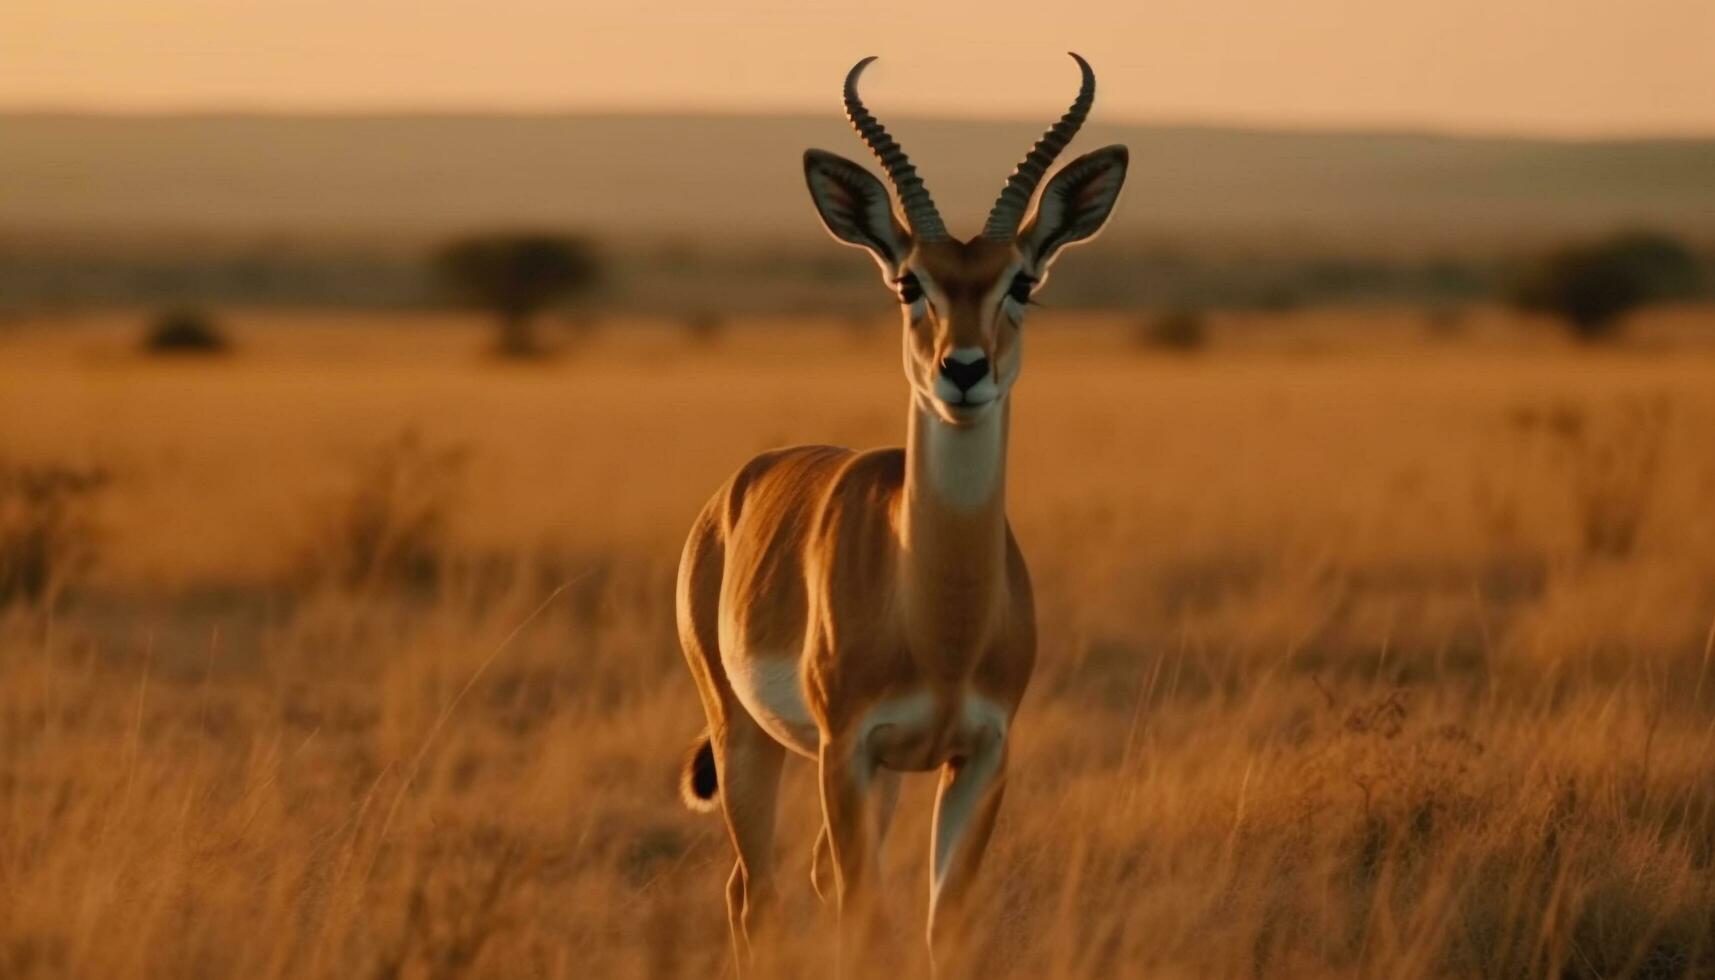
x=964 y=374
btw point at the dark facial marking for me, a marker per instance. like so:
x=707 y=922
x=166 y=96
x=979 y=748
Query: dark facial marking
x=910 y=290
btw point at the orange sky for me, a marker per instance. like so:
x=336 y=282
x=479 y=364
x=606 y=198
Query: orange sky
x=1573 y=67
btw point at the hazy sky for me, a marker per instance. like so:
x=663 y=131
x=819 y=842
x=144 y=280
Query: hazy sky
x=1576 y=67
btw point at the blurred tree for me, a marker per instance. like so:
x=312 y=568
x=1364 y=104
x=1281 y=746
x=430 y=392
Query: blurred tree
x=1180 y=329
x=1593 y=286
x=516 y=275
x=184 y=331
x=704 y=327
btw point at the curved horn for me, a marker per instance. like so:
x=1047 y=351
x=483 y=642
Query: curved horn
x=920 y=211
x=1008 y=212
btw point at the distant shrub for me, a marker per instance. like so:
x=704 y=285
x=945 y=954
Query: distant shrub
x=1176 y=330
x=1593 y=286
x=185 y=331
x=516 y=275
x=390 y=529
x=704 y=327
x=47 y=527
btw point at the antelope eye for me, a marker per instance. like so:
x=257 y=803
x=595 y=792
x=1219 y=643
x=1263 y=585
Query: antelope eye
x=1020 y=289
x=910 y=290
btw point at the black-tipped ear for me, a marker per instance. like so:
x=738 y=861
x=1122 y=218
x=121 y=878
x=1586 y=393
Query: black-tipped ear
x=854 y=207
x=1075 y=204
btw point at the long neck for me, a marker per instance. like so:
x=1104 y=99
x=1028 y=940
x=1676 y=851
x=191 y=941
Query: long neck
x=954 y=527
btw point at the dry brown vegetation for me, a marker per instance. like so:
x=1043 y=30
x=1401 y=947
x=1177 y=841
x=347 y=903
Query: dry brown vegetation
x=352 y=654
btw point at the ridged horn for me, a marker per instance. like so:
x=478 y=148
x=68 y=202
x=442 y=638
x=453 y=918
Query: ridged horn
x=920 y=211
x=1008 y=212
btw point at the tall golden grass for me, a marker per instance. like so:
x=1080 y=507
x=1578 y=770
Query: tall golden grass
x=1360 y=658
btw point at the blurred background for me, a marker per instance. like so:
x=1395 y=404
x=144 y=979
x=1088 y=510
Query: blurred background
x=363 y=364
x=311 y=156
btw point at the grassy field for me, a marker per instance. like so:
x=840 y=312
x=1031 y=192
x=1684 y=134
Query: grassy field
x=352 y=654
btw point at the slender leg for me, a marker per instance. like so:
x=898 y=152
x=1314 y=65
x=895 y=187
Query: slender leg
x=749 y=763
x=847 y=775
x=820 y=858
x=965 y=808
x=883 y=801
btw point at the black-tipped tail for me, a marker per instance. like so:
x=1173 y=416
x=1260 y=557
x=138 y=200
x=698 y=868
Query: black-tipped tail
x=699 y=783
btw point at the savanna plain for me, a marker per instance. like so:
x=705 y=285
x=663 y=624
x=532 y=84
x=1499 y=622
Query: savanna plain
x=1370 y=648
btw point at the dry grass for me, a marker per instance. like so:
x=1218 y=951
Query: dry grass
x=1337 y=679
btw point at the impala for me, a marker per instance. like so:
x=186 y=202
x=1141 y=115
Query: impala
x=871 y=610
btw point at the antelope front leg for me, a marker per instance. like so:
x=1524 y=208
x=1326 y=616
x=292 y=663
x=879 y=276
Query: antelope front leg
x=847 y=772
x=965 y=808
x=883 y=800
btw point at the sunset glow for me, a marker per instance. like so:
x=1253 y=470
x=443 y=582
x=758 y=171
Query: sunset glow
x=1562 y=67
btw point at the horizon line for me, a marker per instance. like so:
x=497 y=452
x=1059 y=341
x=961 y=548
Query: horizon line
x=1423 y=128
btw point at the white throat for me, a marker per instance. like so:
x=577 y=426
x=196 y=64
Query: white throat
x=965 y=464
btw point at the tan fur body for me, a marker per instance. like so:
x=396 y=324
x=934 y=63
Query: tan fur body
x=844 y=571
x=802 y=542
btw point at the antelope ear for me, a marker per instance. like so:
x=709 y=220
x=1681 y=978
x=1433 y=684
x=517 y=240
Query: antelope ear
x=1075 y=205
x=855 y=208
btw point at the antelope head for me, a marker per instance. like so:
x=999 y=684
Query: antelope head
x=964 y=301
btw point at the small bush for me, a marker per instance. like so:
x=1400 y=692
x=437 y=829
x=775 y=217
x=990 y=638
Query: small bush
x=47 y=528
x=515 y=276
x=1175 y=330
x=704 y=327
x=1592 y=286
x=185 y=332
